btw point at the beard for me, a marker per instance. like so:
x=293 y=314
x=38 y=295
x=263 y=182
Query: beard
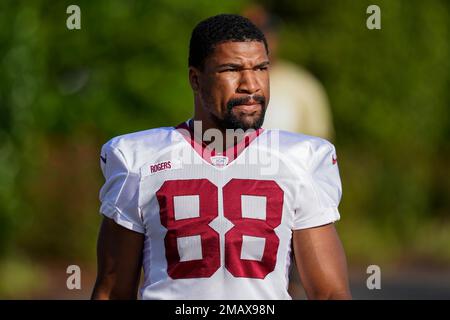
x=237 y=120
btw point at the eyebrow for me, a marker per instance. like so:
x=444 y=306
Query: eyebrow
x=237 y=66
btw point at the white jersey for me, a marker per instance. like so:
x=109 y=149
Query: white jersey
x=218 y=226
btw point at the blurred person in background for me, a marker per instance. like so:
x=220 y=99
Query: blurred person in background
x=298 y=101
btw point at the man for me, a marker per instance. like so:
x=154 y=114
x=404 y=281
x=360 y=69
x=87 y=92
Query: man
x=220 y=220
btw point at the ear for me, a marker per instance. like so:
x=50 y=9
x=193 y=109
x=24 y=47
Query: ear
x=194 y=75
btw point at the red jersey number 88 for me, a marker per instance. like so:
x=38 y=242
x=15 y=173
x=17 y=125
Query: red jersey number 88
x=207 y=194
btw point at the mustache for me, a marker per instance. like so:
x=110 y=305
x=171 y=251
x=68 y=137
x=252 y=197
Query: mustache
x=244 y=100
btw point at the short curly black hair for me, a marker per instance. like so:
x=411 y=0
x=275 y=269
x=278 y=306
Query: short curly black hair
x=218 y=29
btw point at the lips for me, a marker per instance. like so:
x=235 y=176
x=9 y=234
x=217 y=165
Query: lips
x=249 y=107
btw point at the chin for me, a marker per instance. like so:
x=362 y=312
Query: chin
x=239 y=120
x=248 y=122
x=254 y=121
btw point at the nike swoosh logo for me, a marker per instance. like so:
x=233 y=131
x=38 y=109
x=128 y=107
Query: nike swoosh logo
x=334 y=159
x=103 y=159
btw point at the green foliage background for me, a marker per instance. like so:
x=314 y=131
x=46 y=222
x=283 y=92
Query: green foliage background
x=64 y=93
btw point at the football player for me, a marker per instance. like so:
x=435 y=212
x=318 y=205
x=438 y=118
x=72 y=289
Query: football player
x=217 y=207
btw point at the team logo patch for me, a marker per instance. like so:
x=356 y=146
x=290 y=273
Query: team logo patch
x=154 y=168
x=219 y=161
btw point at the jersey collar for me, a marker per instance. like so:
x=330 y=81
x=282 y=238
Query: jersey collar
x=210 y=155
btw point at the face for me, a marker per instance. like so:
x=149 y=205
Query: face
x=232 y=90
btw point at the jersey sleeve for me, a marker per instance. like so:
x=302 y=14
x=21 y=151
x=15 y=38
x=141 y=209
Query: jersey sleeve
x=320 y=190
x=119 y=195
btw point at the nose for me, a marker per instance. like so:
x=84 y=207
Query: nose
x=248 y=83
